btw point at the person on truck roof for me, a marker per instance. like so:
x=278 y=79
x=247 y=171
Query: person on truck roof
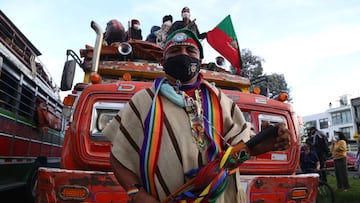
x=176 y=129
x=162 y=34
x=134 y=31
x=186 y=23
x=152 y=37
x=114 y=32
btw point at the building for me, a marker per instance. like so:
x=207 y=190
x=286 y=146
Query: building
x=355 y=104
x=344 y=118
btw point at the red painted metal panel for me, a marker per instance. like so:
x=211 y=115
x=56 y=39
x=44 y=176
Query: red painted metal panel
x=279 y=188
x=45 y=150
x=20 y=147
x=5 y=145
x=35 y=149
x=55 y=151
x=102 y=186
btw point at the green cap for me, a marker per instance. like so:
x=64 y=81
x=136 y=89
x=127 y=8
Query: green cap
x=183 y=37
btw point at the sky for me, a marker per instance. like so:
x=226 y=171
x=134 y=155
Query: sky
x=314 y=44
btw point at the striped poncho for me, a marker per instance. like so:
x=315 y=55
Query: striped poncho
x=177 y=152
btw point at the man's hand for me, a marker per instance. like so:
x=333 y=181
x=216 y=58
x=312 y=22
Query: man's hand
x=278 y=142
x=126 y=178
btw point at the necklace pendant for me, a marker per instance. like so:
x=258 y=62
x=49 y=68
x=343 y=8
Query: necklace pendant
x=199 y=141
x=195 y=112
x=201 y=145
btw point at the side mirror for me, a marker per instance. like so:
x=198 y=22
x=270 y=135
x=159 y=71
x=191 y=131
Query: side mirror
x=68 y=74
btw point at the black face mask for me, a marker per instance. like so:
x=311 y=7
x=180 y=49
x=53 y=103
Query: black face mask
x=182 y=67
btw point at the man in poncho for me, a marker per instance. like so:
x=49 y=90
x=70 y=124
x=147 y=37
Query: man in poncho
x=183 y=122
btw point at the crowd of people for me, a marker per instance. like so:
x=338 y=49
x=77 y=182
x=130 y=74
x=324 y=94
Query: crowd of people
x=319 y=143
x=317 y=149
x=115 y=31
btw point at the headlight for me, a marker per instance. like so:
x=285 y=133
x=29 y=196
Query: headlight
x=102 y=114
x=104 y=118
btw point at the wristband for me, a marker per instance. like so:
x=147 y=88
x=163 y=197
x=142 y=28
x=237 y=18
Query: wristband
x=134 y=189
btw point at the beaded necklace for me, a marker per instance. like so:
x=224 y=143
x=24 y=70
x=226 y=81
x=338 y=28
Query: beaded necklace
x=193 y=107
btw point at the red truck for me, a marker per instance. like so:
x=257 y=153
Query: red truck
x=31 y=123
x=112 y=75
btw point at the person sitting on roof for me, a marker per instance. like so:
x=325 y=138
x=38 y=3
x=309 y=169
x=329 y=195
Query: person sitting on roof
x=152 y=37
x=114 y=32
x=161 y=34
x=186 y=23
x=134 y=31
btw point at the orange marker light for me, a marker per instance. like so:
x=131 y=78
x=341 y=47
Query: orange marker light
x=299 y=193
x=127 y=76
x=69 y=100
x=95 y=78
x=69 y=192
x=256 y=90
x=283 y=97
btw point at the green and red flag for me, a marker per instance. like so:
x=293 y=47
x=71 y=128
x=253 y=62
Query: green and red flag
x=223 y=39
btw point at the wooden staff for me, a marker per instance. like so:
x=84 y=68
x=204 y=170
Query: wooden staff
x=235 y=153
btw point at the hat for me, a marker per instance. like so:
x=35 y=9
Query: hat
x=338 y=132
x=154 y=29
x=311 y=128
x=183 y=37
x=167 y=17
x=185 y=8
x=134 y=21
x=114 y=25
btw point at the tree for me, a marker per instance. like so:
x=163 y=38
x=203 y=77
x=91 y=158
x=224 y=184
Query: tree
x=271 y=85
x=252 y=65
x=277 y=84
